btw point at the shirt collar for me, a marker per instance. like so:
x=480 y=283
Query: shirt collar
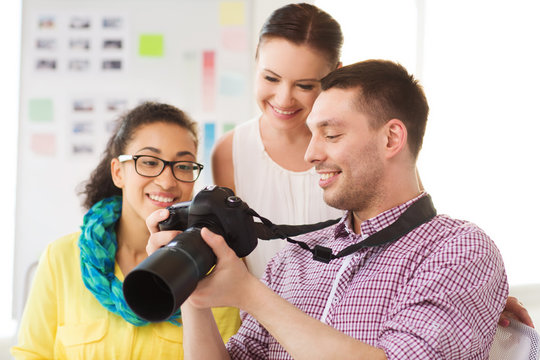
x=375 y=224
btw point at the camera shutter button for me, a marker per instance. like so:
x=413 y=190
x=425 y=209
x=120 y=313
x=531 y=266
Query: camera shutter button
x=233 y=201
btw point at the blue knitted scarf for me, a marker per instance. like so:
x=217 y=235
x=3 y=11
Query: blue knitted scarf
x=98 y=250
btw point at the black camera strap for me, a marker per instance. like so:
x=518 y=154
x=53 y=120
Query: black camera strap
x=268 y=231
x=417 y=214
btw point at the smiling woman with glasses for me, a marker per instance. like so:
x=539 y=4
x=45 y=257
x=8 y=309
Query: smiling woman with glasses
x=152 y=166
x=76 y=308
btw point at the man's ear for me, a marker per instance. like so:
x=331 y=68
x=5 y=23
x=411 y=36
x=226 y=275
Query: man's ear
x=117 y=173
x=396 y=137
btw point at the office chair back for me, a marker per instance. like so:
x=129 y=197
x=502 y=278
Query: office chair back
x=515 y=342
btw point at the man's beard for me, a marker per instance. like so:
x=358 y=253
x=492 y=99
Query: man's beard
x=362 y=191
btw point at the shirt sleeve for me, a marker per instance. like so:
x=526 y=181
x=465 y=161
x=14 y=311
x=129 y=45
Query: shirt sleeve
x=38 y=326
x=450 y=305
x=252 y=339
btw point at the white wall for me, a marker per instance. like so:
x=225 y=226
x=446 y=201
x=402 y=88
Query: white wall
x=480 y=158
x=9 y=100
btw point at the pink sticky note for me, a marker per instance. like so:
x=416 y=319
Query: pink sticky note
x=209 y=80
x=234 y=39
x=43 y=144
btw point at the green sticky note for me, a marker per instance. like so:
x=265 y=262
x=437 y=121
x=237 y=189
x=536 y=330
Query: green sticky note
x=227 y=127
x=40 y=110
x=151 y=45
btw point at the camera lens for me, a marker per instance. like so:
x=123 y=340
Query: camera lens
x=150 y=289
x=157 y=287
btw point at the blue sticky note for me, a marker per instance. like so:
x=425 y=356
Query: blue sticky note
x=209 y=139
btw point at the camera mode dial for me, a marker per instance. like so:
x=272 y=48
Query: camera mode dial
x=234 y=201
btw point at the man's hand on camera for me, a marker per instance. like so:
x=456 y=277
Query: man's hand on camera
x=229 y=282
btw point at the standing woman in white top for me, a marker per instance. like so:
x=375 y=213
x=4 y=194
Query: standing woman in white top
x=262 y=160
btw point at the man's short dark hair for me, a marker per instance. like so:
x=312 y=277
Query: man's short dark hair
x=385 y=91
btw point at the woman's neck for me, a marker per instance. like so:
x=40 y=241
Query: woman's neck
x=132 y=240
x=286 y=147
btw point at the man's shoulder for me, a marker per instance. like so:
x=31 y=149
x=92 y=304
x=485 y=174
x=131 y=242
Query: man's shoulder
x=319 y=237
x=446 y=236
x=446 y=228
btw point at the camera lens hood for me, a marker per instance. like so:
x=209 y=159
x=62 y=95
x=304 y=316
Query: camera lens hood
x=156 y=288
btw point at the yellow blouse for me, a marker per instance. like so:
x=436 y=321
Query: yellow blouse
x=63 y=320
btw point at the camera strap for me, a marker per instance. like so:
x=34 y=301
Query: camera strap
x=418 y=213
x=268 y=230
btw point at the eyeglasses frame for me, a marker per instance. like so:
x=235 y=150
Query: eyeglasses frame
x=125 y=157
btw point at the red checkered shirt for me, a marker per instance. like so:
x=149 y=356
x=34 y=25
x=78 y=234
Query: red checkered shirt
x=436 y=293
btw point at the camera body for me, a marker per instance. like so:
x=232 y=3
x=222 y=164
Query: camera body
x=218 y=209
x=157 y=287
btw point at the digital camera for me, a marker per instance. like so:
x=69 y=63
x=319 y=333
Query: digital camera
x=157 y=287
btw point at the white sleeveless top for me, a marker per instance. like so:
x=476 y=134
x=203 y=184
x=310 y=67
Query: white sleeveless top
x=280 y=195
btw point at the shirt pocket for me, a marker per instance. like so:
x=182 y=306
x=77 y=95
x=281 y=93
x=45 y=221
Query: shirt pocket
x=167 y=341
x=81 y=341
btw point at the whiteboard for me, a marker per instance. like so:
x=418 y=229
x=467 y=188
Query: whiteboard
x=84 y=62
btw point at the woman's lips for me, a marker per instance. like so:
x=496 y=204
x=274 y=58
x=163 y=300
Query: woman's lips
x=162 y=200
x=283 y=113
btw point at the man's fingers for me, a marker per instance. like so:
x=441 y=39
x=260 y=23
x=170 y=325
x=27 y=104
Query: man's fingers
x=216 y=242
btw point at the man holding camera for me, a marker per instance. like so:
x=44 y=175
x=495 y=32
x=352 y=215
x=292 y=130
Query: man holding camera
x=408 y=284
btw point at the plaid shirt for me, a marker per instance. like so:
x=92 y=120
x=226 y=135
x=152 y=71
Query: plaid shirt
x=436 y=293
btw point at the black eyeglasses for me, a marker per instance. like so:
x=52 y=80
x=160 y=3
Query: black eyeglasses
x=151 y=166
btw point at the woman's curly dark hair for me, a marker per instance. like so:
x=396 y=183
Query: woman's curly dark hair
x=100 y=184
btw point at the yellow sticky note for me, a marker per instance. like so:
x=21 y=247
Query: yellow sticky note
x=232 y=13
x=151 y=45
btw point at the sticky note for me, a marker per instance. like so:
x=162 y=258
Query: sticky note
x=151 y=45
x=228 y=127
x=40 y=110
x=209 y=130
x=234 y=39
x=232 y=13
x=209 y=138
x=232 y=84
x=43 y=144
x=209 y=80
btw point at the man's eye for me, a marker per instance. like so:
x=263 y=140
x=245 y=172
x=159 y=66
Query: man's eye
x=331 y=137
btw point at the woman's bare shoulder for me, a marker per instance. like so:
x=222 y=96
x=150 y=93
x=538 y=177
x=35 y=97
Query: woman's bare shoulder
x=222 y=161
